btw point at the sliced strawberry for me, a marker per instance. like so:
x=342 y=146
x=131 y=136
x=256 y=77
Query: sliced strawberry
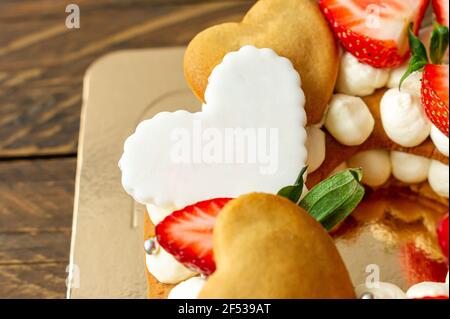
x=187 y=234
x=440 y=8
x=375 y=31
x=435 y=95
x=442 y=234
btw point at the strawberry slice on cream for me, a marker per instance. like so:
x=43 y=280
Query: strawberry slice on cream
x=374 y=31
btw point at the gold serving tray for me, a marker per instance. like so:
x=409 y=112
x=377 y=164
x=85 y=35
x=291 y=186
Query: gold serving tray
x=106 y=259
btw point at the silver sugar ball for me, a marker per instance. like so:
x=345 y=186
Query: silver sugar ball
x=367 y=295
x=150 y=246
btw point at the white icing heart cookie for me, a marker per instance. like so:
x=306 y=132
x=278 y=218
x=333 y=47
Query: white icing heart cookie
x=249 y=136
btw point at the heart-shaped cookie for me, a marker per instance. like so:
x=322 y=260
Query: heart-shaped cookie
x=248 y=137
x=295 y=29
x=303 y=261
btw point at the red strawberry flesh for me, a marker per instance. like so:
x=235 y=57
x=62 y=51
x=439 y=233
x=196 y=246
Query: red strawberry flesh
x=187 y=234
x=440 y=8
x=435 y=95
x=374 y=31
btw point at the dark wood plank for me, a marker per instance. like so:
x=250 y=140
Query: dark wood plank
x=47 y=8
x=36 y=194
x=36 y=203
x=42 y=62
x=33 y=281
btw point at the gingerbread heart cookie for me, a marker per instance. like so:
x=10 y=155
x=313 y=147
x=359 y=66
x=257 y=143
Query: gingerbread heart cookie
x=303 y=260
x=294 y=29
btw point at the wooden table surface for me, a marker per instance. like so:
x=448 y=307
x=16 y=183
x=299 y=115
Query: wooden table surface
x=42 y=64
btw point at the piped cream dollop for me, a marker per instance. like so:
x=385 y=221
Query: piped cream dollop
x=349 y=120
x=359 y=79
x=409 y=168
x=403 y=118
x=438 y=178
x=376 y=166
x=188 y=289
x=411 y=84
x=440 y=140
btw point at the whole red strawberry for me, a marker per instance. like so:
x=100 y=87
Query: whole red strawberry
x=374 y=31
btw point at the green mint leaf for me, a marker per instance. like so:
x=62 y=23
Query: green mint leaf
x=332 y=200
x=419 y=57
x=439 y=43
x=294 y=192
x=342 y=212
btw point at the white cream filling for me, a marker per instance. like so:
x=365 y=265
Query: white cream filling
x=411 y=84
x=158 y=213
x=349 y=120
x=188 y=289
x=440 y=140
x=427 y=289
x=409 y=168
x=382 y=290
x=161 y=264
x=403 y=118
x=359 y=79
x=165 y=268
x=438 y=178
x=315 y=145
x=376 y=166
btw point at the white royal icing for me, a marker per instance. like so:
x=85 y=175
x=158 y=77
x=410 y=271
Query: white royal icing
x=169 y=160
